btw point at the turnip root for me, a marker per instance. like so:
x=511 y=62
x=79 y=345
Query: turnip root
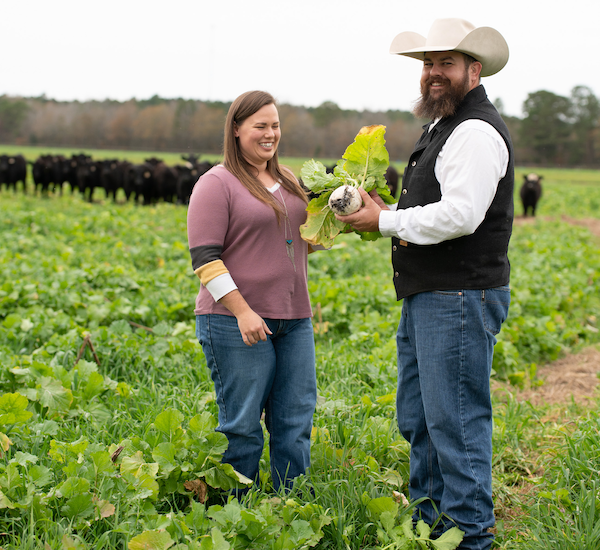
x=345 y=200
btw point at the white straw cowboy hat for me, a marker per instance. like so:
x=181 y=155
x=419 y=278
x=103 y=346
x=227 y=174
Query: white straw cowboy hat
x=485 y=44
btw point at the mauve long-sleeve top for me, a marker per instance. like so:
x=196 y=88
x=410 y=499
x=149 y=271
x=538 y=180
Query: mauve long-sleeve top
x=226 y=222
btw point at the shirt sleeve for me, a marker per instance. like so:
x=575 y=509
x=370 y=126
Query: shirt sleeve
x=471 y=163
x=207 y=222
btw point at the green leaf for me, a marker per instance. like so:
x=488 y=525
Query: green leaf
x=24 y=458
x=73 y=486
x=202 y=424
x=40 y=475
x=53 y=395
x=300 y=531
x=226 y=516
x=423 y=529
x=102 y=462
x=151 y=540
x=120 y=327
x=5 y=502
x=164 y=454
x=13 y=409
x=94 y=385
x=162 y=329
x=138 y=467
x=449 y=540
x=216 y=541
x=321 y=226
x=315 y=176
x=81 y=505
x=382 y=504
x=367 y=158
x=223 y=476
x=364 y=163
x=169 y=421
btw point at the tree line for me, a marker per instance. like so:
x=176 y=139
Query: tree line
x=554 y=130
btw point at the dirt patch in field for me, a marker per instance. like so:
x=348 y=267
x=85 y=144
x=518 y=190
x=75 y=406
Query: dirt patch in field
x=576 y=376
x=573 y=377
x=593 y=224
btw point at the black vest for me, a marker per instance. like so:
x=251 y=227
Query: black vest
x=476 y=261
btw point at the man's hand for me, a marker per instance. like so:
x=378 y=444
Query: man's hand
x=367 y=218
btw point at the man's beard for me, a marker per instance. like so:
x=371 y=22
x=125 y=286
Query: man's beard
x=445 y=105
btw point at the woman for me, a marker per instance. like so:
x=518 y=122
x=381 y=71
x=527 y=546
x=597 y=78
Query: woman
x=253 y=314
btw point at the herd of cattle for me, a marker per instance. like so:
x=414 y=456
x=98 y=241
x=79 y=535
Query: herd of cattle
x=149 y=182
x=152 y=181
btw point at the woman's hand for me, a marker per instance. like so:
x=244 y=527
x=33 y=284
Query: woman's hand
x=252 y=326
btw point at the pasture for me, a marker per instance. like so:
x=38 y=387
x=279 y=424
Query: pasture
x=107 y=410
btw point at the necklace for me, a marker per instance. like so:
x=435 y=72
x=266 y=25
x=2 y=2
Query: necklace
x=289 y=241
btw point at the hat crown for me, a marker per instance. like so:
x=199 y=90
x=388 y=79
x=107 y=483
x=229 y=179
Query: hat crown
x=484 y=44
x=448 y=31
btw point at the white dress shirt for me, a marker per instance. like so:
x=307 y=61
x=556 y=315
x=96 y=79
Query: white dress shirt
x=469 y=166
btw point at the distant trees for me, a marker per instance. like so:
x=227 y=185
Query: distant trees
x=12 y=115
x=561 y=131
x=555 y=130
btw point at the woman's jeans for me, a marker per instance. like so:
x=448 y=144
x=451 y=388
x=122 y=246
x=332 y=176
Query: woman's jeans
x=277 y=377
x=445 y=349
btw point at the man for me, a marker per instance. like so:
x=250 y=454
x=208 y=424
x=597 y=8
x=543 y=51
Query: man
x=450 y=235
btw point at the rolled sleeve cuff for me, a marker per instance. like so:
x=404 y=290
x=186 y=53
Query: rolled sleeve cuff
x=387 y=223
x=220 y=286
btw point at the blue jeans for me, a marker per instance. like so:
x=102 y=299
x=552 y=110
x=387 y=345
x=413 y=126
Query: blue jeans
x=278 y=377
x=445 y=348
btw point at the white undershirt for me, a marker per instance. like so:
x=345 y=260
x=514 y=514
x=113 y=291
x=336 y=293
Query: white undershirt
x=471 y=163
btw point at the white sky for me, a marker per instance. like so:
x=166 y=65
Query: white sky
x=304 y=52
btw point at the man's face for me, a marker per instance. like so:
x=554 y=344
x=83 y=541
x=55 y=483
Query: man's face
x=445 y=80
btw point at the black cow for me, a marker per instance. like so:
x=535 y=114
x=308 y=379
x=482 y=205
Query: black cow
x=140 y=182
x=89 y=176
x=530 y=192
x=13 y=169
x=187 y=176
x=42 y=171
x=70 y=170
x=165 y=182
x=392 y=178
x=112 y=177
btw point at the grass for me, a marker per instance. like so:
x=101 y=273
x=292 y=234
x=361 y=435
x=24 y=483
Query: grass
x=121 y=274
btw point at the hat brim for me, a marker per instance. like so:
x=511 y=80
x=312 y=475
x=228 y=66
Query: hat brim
x=485 y=44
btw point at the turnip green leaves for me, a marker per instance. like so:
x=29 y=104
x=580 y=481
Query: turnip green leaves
x=363 y=164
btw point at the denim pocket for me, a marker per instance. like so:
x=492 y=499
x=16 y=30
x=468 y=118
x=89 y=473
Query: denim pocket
x=494 y=303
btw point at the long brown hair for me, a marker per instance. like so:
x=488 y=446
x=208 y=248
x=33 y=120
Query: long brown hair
x=243 y=107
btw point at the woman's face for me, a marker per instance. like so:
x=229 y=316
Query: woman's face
x=259 y=136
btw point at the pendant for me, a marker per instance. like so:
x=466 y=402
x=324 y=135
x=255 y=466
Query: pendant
x=289 y=245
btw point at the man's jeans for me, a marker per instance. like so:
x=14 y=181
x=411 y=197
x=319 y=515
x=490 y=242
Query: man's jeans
x=277 y=376
x=445 y=348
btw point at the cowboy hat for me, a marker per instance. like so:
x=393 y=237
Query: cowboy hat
x=485 y=44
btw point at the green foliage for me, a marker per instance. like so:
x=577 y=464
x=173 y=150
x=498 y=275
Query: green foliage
x=12 y=114
x=363 y=164
x=108 y=415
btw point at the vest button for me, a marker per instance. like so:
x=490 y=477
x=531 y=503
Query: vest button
x=404 y=191
x=394 y=248
x=396 y=274
x=413 y=163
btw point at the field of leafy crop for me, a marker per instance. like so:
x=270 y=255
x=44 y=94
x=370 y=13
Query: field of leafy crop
x=107 y=413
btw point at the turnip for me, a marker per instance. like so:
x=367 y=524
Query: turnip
x=345 y=200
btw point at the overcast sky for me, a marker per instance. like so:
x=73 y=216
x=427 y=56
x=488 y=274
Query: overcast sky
x=304 y=52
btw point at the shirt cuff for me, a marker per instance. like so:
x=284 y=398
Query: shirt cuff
x=220 y=285
x=387 y=223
